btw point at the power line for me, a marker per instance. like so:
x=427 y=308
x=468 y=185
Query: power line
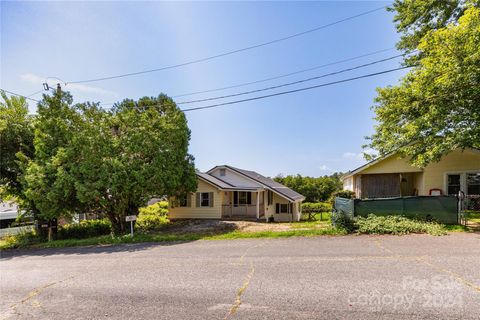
x=229 y=52
x=279 y=76
x=292 y=83
x=295 y=90
x=285 y=74
x=19 y=95
x=36 y=92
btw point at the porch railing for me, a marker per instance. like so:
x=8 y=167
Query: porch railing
x=229 y=210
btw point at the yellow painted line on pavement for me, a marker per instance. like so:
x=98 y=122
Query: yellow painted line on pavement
x=451 y=273
x=454 y=275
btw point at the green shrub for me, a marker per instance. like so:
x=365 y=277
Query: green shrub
x=342 y=194
x=84 y=229
x=311 y=209
x=397 y=225
x=315 y=207
x=159 y=208
x=22 y=239
x=153 y=217
x=342 y=221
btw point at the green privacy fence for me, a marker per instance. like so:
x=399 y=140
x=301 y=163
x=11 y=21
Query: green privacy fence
x=440 y=208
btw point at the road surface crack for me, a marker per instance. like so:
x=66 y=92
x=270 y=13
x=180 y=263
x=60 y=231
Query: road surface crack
x=240 y=291
x=238 y=297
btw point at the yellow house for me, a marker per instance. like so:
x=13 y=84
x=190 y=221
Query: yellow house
x=392 y=176
x=228 y=192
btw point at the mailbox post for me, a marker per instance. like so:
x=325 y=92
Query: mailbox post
x=131 y=219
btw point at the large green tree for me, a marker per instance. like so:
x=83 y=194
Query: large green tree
x=122 y=158
x=16 y=136
x=415 y=18
x=45 y=178
x=436 y=107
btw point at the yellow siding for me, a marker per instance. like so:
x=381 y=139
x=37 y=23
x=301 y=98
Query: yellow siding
x=431 y=177
x=455 y=162
x=392 y=164
x=270 y=210
x=195 y=212
x=348 y=184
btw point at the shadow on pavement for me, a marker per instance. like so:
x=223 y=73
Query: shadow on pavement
x=210 y=227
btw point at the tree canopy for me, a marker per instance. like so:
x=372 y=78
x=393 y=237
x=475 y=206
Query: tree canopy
x=314 y=189
x=415 y=18
x=16 y=135
x=78 y=158
x=435 y=109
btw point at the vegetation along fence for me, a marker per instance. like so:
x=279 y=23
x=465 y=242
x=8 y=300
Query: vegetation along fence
x=439 y=208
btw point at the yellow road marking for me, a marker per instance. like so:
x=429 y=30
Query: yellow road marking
x=452 y=274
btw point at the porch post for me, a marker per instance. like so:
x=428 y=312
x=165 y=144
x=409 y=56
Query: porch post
x=258 y=205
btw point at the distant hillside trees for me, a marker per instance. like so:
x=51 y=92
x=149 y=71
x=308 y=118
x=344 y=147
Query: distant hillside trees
x=314 y=189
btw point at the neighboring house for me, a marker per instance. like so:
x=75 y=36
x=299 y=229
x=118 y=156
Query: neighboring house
x=8 y=213
x=229 y=192
x=392 y=176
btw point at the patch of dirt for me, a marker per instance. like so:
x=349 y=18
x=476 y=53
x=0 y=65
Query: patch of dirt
x=253 y=226
x=217 y=226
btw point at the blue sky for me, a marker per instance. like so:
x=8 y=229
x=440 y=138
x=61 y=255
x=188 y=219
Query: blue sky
x=314 y=132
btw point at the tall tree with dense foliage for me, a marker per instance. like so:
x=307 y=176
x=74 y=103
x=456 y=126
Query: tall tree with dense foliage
x=435 y=109
x=45 y=177
x=415 y=18
x=16 y=135
x=314 y=189
x=122 y=158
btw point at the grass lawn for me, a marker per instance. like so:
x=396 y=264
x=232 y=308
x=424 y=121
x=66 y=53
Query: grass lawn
x=180 y=231
x=174 y=237
x=474 y=217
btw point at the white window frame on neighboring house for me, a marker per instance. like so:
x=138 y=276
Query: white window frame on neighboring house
x=463 y=179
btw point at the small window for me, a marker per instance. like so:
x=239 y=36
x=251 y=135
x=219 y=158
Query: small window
x=222 y=172
x=453 y=184
x=473 y=183
x=282 y=208
x=242 y=198
x=205 y=199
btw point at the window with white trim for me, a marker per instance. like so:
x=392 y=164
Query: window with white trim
x=205 y=199
x=453 y=184
x=242 y=198
x=473 y=183
x=283 y=207
x=468 y=182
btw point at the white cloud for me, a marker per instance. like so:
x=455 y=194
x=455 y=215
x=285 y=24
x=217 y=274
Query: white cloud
x=75 y=87
x=359 y=156
x=324 y=168
x=353 y=155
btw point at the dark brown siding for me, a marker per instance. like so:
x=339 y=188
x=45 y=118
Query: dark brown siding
x=380 y=185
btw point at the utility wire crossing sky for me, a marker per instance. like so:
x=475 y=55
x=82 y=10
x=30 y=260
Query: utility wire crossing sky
x=300 y=130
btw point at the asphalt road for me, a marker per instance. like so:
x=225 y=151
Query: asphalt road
x=348 y=277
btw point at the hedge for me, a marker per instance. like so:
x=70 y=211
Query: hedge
x=84 y=229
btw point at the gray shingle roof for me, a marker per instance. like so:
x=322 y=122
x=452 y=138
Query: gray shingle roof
x=275 y=186
x=213 y=180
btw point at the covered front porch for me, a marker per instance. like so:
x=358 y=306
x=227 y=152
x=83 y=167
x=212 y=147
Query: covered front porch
x=243 y=204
